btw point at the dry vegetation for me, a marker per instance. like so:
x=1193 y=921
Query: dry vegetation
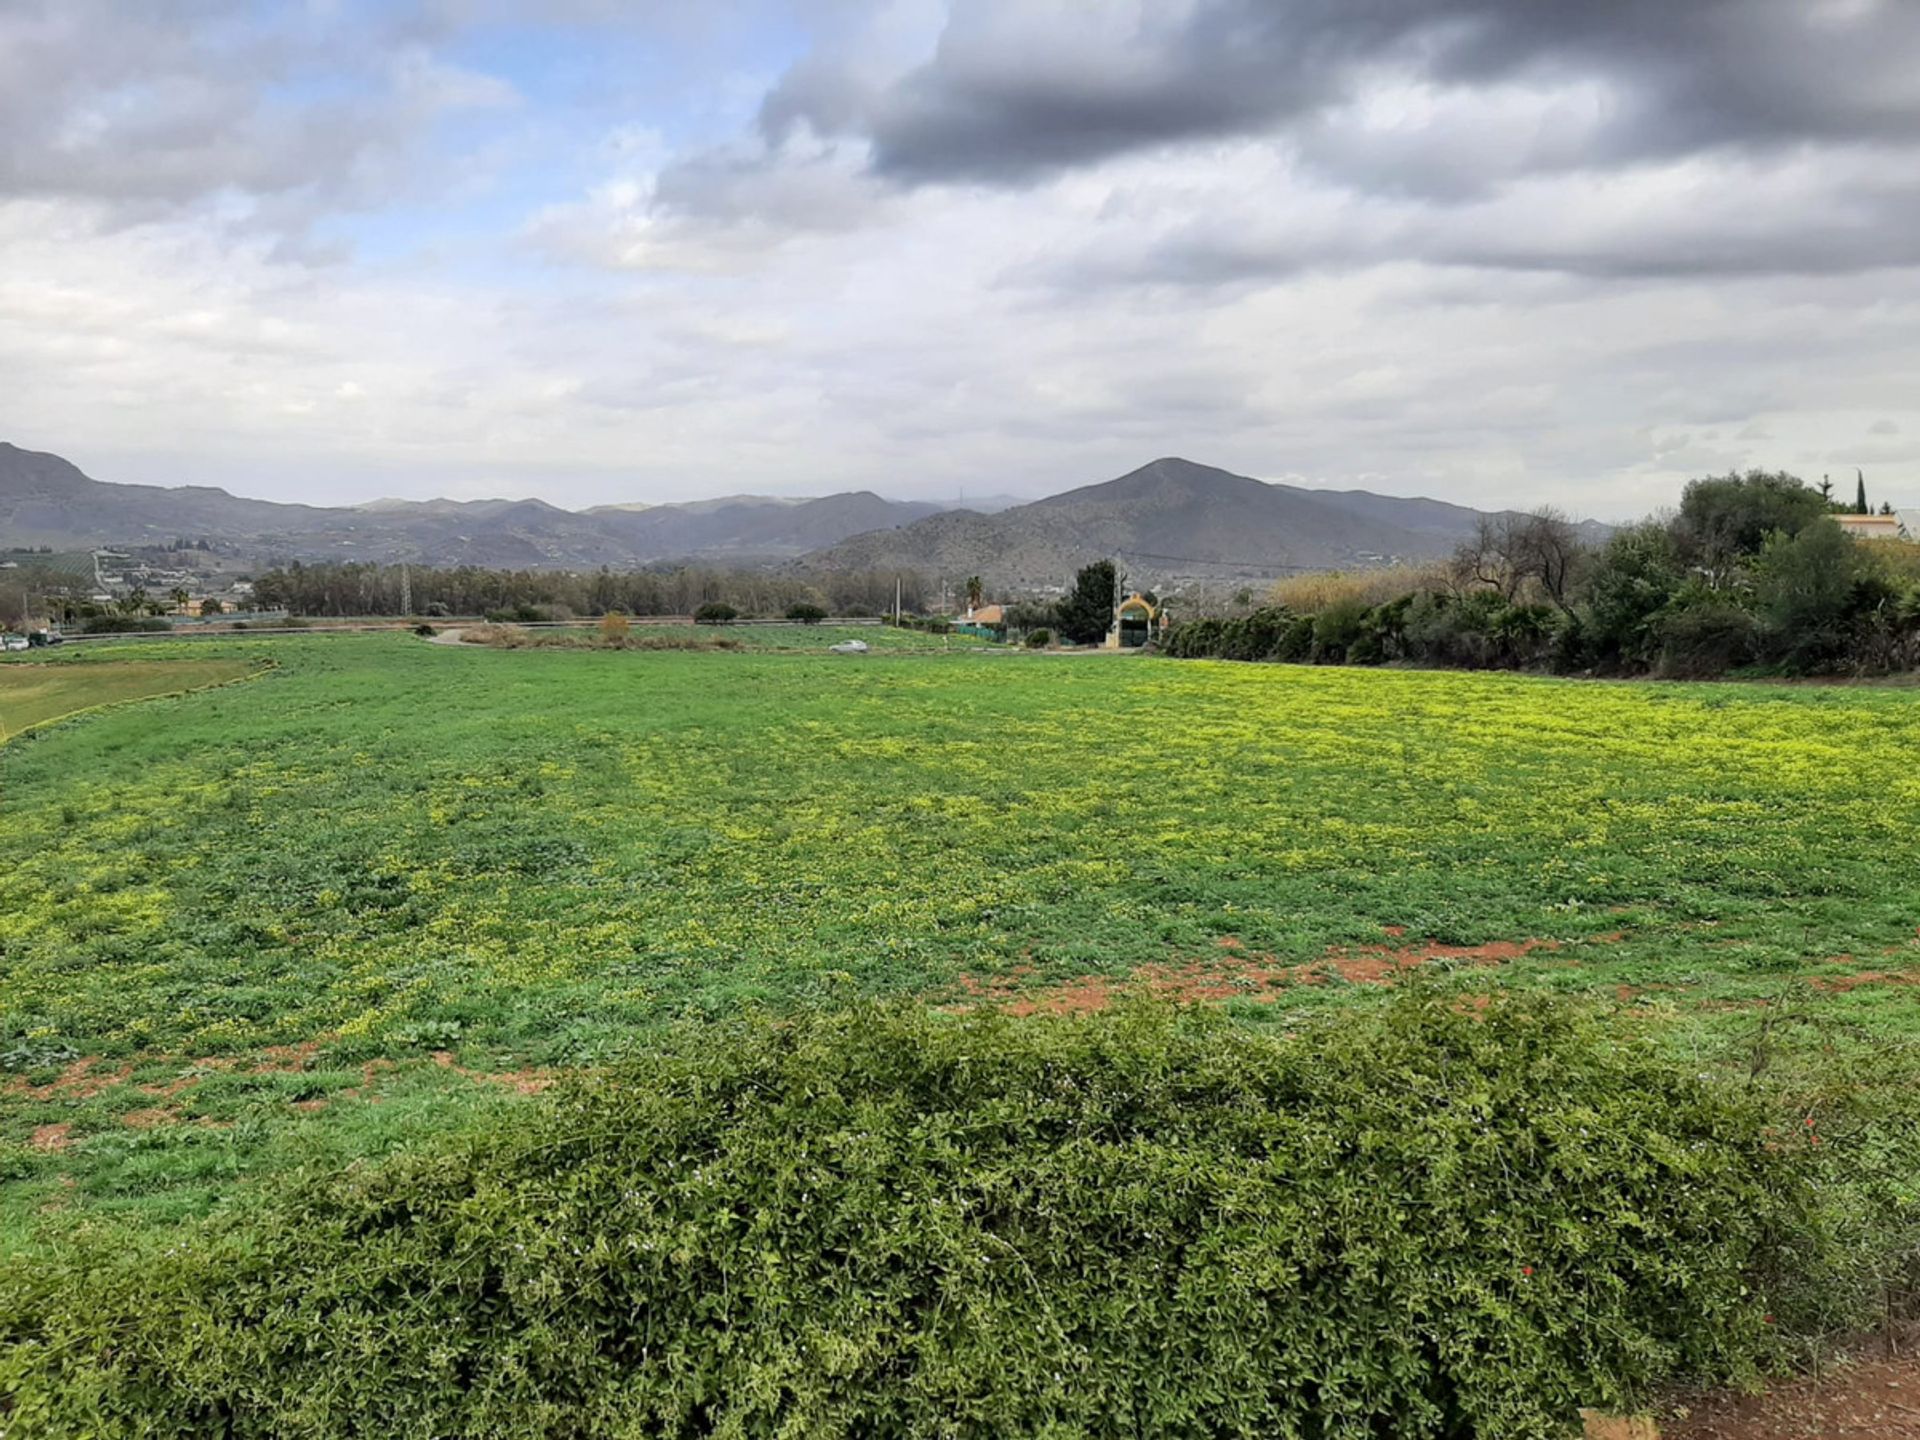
x=1322 y=589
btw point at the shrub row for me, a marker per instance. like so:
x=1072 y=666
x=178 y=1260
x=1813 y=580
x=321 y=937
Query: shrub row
x=1422 y=1222
x=1750 y=571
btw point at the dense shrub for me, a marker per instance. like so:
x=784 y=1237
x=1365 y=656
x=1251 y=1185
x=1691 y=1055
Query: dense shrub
x=715 y=612
x=1702 y=633
x=615 y=627
x=1263 y=635
x=1039 y=639
x=1339 y=627
x=806 y=614
x=1749 y=572
x=1428 y=1220
x=1636 y=573
x=1812 y=592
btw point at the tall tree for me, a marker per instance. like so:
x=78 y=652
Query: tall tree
x=1726 y=519
x=1860 y=503
x=975 y=589
x=1086 y=611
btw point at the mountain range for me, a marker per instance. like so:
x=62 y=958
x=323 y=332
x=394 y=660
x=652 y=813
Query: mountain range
x=1171 y=519
x=45 y=500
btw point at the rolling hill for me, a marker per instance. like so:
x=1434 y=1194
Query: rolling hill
x=1170 y=520
x=45 y=500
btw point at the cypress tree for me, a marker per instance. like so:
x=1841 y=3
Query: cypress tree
x=1860 y=504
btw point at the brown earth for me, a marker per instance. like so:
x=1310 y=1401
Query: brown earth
x=50 y=1137
x=1877 y=1398
x=526 y=1082
x=1840 y=984
x=1237 y=974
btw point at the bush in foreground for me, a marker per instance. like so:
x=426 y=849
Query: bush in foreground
x=1428 y=1222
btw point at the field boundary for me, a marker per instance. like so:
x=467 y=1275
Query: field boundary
x=265 y=666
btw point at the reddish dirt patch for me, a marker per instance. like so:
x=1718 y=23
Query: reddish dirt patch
x=75 y=1082
x=526 y=1082
x=167 y=1089
x=1240 y=974
x=1840 y=984
x=1878 y=1398
x=149 y=1118
x=287 y=1057
x=318 y=1102
x=51 y=1137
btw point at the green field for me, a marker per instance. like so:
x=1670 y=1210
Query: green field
x=36 y=693
x=389 y=882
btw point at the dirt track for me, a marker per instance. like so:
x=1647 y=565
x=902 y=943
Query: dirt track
x=1873 y=1397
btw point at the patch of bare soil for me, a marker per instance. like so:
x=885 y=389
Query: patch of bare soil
x=1235 y=974
x=1877 y=1398
x=526 y=1082
x=77 y=1081
x=51 y=1137
x=1840 y=984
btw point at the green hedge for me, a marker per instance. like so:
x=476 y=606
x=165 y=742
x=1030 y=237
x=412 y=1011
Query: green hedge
x=1429 y=1221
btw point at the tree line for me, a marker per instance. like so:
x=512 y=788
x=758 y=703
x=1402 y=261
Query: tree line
x=364 y=589
x=1751 y=571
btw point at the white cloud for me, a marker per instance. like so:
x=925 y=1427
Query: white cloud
x=1472 y=288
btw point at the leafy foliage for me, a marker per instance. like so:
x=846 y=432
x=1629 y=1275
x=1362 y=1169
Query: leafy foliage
x=1428 y=1222
x=1750 y=571
x=1085 y=613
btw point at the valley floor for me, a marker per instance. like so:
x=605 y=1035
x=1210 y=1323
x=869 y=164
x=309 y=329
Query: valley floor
x=389 y=883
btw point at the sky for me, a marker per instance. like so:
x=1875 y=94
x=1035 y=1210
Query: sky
x=1499 y=252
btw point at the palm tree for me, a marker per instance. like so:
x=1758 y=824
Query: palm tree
x=975 y=589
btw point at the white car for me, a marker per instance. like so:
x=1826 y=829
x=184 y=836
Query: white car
x=13 y=642
x=850 y=647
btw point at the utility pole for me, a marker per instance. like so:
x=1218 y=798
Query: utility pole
x=896 y=602
x=406 y=591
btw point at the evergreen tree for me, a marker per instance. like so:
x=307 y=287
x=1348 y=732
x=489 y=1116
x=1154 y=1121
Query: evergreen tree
x=1860 y=504
x=1086 y=612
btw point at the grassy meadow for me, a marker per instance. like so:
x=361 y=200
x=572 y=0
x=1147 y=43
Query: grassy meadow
x=34 y=694
x=387 y=884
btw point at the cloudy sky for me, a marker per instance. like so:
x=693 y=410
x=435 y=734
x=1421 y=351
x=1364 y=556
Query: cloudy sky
x=1504 y=251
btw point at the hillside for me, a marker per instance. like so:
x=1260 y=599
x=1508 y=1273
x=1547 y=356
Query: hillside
x=46 y=500
x=1169 y=520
